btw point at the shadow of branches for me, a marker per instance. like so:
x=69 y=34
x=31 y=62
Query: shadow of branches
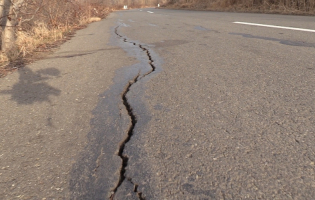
x=32 y=86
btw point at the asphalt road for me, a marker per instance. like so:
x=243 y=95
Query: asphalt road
x=165 y=104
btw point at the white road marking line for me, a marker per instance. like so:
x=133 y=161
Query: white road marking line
x=273 y=26
x=150 y=12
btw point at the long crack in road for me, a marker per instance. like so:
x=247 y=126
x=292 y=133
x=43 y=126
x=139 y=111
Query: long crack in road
x=133 y=119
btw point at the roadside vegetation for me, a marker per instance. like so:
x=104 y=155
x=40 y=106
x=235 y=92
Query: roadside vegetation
x=300 y=7
x=31 y=26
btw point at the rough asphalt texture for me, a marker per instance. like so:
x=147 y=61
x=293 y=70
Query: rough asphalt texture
x=228 y=113
x=47 y=110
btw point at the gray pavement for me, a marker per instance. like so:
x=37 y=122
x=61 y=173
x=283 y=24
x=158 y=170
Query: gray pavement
x=224 y=111
x=47 y=119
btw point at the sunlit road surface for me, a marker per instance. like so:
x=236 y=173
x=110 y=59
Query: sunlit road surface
x=232 y=110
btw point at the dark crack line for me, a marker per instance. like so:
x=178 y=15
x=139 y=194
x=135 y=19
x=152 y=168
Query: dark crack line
x=150 y=59
x=133 y=118
x=135 y=189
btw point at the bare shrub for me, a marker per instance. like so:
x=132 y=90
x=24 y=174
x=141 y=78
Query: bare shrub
x=279 y=6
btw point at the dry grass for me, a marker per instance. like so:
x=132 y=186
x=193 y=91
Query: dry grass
x=28 y=41
x=94 y=19
x=301 y=7
x=41 y=33
x=87 y=20
x=3 y=58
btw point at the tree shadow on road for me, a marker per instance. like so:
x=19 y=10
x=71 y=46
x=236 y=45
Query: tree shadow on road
x=71 y=54
x=32 y=86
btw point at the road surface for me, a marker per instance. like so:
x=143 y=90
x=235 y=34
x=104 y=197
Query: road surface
x=165 y=104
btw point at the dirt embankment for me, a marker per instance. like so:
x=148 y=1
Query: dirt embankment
x=298 y=7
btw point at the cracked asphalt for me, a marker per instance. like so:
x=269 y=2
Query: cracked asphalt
x=231 y=112
x=226 y=113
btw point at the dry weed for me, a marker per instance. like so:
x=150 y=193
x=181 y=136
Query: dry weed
x=301 y=7
x=40 y=34
x=94 y=19
x=3 y=58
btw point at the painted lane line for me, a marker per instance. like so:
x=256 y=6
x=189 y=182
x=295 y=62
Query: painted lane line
x=150 y=12
x=273 y=26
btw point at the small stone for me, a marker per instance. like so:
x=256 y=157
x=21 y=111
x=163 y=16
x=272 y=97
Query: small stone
x=189 y=155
